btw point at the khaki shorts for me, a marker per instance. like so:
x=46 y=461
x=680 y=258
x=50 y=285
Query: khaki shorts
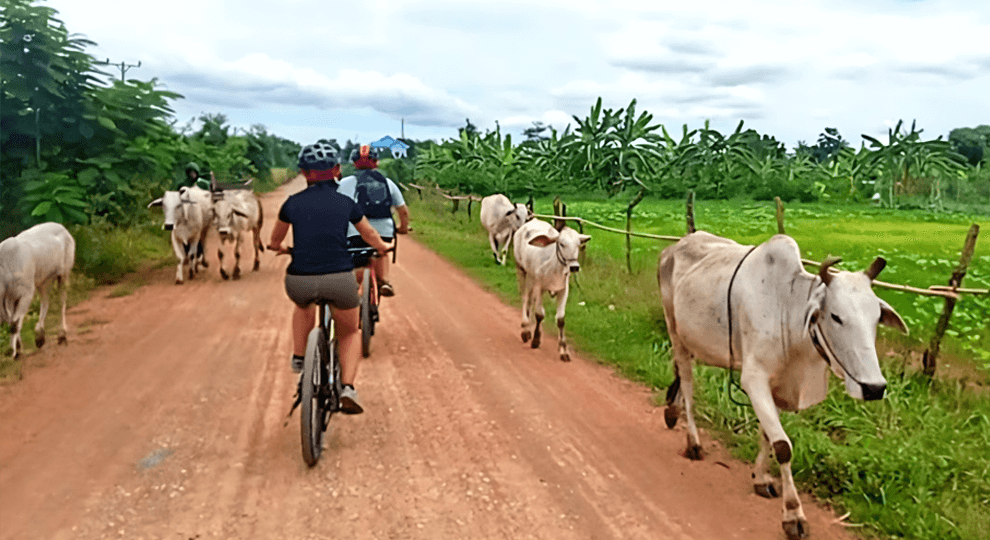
x=340 y=290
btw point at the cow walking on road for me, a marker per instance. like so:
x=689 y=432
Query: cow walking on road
x=545 y=259
x=29 y=261
x=188 y=213
x=757 y=310
x=236 y=213
x=501 y=219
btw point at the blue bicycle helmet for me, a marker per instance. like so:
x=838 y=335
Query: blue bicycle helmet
x=318 y=157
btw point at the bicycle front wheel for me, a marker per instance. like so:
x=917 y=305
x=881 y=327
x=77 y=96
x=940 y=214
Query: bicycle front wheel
x=367 y=324
x=313 y=379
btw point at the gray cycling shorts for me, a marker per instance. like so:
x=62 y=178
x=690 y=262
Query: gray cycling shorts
x=340 y=290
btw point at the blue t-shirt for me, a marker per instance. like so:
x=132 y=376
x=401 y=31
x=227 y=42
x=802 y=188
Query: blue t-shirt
x=319 y=217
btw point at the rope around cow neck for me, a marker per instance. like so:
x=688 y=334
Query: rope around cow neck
x=728 y=300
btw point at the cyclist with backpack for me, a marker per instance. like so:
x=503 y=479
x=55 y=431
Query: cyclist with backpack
x=377 y=195
x=321 y=267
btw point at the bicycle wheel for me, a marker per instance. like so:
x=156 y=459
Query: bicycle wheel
x=313 y=379
x=367 y=324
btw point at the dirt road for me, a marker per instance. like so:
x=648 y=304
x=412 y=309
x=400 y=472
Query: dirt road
x=164 y=418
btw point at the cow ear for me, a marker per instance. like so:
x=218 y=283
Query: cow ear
x=813 y=309
x=542 y=240
x=584 y=238
x=889 y=317
x=156 y=202
x=510 y=212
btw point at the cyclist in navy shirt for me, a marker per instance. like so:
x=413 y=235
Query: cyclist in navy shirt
x=321 y=267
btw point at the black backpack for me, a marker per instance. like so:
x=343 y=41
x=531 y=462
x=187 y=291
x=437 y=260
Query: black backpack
x=373 y=194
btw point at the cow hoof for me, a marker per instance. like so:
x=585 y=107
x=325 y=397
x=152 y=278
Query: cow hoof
x=670 y=416
x=63 y=340
x=224 y=275
x=205 y=264
x=693 y=453
x=526 y=335
x=178 y=282
x=39 y=341
x=536 y=342
x=767 y=491
x=257 y=265
x=237 y=273
x=796 y=529
x=564 y=357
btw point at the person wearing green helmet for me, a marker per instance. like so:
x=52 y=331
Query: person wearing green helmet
x=193 y=178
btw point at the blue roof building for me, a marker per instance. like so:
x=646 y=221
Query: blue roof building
x=398 y=148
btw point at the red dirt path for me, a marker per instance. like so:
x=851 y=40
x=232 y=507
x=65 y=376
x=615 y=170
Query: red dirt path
x=164 y=419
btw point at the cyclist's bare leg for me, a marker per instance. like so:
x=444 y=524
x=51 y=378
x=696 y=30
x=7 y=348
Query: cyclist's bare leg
x=382 y=265
x=346 y=321
x=303 y=320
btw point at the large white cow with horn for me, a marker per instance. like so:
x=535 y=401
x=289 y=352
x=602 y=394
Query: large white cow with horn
x=31 y=261
x=501 y=219
x=545 y=260
x=188 y=214
x=237 y=212
x=757 y=310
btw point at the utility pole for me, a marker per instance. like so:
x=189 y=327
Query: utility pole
x=403 y=128
x=123 y=67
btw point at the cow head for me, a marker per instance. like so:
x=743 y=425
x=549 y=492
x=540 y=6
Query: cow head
x=567 y=244
x=223 y=218
x=517 y=216
x=171 y=203
x=842 y=319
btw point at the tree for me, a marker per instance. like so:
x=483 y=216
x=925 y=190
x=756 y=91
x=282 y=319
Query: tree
x=468 y=128
x=971 y=143
x=535 y=133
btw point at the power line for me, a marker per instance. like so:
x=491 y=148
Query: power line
x=123 y=67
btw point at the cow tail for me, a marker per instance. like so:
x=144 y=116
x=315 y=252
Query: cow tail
x=261 y=221
x=673 y=390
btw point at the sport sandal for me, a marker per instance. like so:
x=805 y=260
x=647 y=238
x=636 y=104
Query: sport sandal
x=349 y=401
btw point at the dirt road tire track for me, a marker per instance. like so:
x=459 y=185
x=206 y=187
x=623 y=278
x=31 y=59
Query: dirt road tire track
x=164 y=419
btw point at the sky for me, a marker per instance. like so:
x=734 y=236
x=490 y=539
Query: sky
x=311 y=69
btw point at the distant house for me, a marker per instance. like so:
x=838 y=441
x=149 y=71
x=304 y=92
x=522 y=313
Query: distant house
x=398 y=148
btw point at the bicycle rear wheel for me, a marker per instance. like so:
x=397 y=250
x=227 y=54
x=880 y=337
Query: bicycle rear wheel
x=314 y=379
x=367 y=323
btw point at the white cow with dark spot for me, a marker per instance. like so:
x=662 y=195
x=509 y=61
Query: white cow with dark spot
x=188 y=213
x=236 y=213
x=545 y=259
x=501 y=219
x=781 y=326
x=32 y=260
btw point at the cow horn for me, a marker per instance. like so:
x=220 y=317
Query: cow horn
x=823 y=271
x=874 y=270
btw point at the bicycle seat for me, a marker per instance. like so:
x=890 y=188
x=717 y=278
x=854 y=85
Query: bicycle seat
x=362 y=256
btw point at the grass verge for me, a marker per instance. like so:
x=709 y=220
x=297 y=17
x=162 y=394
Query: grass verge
x=914 y=465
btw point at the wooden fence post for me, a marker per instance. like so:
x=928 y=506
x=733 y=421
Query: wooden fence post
x=930 y=358
x=456 y=205
x=470 y=200
x=529 y=204
x=780 y=216
x=690 y=212
x=559 y=209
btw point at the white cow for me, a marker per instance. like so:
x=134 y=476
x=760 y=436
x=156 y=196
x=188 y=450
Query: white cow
x=501 y=219
x=187 y=214
x=545 y=260
x=781 y=326
x=29 y=261
x=236 y=213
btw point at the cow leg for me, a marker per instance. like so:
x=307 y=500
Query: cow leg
x=39 y=329
x=494 y=244
x=693 y=450
x=223 y=273
x=525 y=296
x=201 y=252
x=258 y=248
x=539 y=314
x=237 y=257
x=180 y=253
x=763 y=483
x=756 y=383
x=63 y=283
x=15 y=336
x=561 y=311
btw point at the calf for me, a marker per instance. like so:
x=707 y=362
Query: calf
x=545 y=259
x=187 y=214
x=501 y=219
x=234 y=214
x=29 y=261
x=757 y=310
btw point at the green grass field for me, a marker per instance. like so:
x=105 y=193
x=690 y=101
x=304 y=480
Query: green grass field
x=914 y=465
